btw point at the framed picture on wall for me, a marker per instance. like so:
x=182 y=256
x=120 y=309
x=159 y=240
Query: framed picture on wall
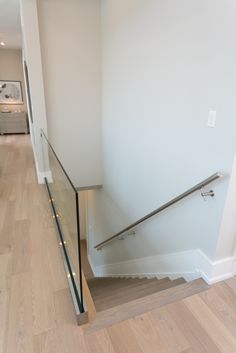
x=11 y=92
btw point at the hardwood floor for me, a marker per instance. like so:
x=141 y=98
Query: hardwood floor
x=36 y=310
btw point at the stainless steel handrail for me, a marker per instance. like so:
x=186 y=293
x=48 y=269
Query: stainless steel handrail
x=197 y=187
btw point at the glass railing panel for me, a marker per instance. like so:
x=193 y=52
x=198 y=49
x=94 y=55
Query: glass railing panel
x=65 y=204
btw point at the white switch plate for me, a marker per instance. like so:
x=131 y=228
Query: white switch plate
x=211 y=121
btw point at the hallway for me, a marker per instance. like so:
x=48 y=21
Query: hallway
x=36 y=310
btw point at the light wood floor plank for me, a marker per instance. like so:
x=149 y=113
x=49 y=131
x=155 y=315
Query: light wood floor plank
x=193 y=331
x=22 y=205
x=19 y=327
x=7 y=231
x=222 y=303
x=70 y=335
x=172 y=337
x=21 y=247
x=99 y=342
x=123 y=338
x=211 y=324
x=232 y=284
x=47 y=342
x=145 y=333
x=4 y=297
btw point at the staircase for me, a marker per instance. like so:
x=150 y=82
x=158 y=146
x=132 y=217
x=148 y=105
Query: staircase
x=119 y=299
x=114 y=299
x=110 y=292
x=106 y=301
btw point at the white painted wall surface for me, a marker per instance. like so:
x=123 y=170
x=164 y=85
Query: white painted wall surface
x=70 y=42
x=165 y=65
x=226 y=244
x=32 y=55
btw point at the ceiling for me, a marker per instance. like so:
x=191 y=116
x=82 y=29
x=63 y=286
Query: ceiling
x=10 y=27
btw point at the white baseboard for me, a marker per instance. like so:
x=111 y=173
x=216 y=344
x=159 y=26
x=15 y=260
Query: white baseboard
x=215 y=271
x=190 y=264
x=42 y=175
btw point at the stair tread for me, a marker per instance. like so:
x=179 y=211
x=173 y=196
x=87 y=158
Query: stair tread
x=101 y=289
x=139 y=306
x=97 y=281
x=110 y=299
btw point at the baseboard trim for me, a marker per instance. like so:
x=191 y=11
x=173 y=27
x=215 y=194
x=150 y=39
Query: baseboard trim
x=41 y=175
x=215 y=271
x=190 y=264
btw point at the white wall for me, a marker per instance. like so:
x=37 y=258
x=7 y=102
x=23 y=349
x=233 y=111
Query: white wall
x=226 y=244
x=11 y=68
x=32 y=56
x=70 y=43
x=166 y=63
